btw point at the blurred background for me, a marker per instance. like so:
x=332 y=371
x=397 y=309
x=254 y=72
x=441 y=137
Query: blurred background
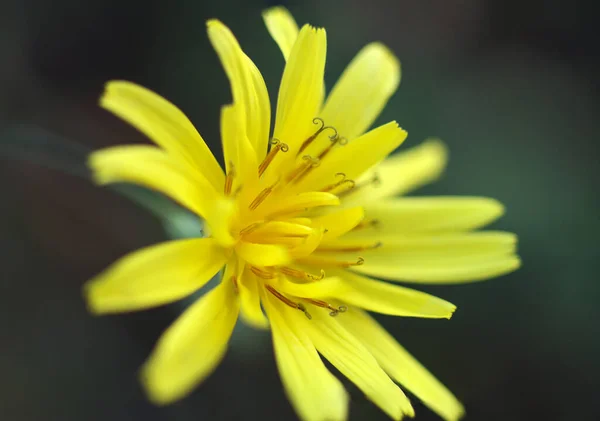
x=507 y=84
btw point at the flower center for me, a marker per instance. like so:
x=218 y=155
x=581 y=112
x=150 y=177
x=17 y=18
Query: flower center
x=283 y=213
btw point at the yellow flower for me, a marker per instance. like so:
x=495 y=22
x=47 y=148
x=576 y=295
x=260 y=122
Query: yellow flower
x=299 y=222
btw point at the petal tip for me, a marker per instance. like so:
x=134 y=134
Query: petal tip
x=156 y=394
x=276 y=10
x=214 y=23
x=92 y=302
x=385 y=53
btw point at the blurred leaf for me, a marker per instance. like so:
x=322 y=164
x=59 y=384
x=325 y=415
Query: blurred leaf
x=38 y=146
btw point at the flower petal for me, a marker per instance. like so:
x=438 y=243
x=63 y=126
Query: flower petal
x=371 y=295
x=314 y=392
x=362 y=91
x=165 y=124
x=153 y=168
x=450 y=258
x=353 y=360
x=338 y=223
x=250 y=309
x=428 y=215
x=240 y=159
x=282 y=27
x=155 y=275
x=192 y=347
x=447 y=272
x=356 y=157
x=401 y=173
x=262 y=254
x=247 y=85
x=401 y=366
x=301 y=88
x=295 y=203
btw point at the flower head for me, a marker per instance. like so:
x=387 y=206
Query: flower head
x=300 y=223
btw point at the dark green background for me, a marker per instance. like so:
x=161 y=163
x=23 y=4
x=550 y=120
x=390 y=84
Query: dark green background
x=509 y=85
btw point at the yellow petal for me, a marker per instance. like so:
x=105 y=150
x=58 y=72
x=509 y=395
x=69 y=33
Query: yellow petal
x=338 y=223
x=353 y=360
x=240 y=159
x=371 y=295
x=300 y=202
x=282 y=27
x=250 y=309
x=271 y=229
x=192 y=347
x=401 y=366
x=362 y=91
x=308 y=244
x=428 y=215
x=220 y=216
x=155 y=275
x=155 y=169
x=313 y=391
x=445 y=259
x=402 y=172
x=401 y=250
x=165 y=124
x=247 y=85
x=301 y=88
x=262 y=254
x=356 y=157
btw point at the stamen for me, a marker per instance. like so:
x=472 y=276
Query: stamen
x=359 y=262
x=301 y=172
x=292 y=304
x=252 y=227
x=235 y=284
x=366 y=224
x=323 y=127
x=334 y=311
x=262 y=273
x=375 y=181
x=326 y=261
x=229 y=179
x=341 y=140
x=350 y=249
x=262 y=196
x=295 y=273
x=344 y=180
x=277 y=146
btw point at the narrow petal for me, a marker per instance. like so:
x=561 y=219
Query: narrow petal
x=451 y=270
x=400 y=250
x=362 y=91
x=428 y=215
x=262 y=254
x=250 y=309
x=247 y=85
x=445 y=258
x=314 y=392
x=301 y=88
x=240 y=159
x=402 y=173
x=165 y=124
x=155 y=169
x=356 y=157
x=300 y=202
x=353 y=360
x=338 y=223
x=371 y=295
x=282 y=27
x=192 y=347
x=155 y=275
x=401 y=366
